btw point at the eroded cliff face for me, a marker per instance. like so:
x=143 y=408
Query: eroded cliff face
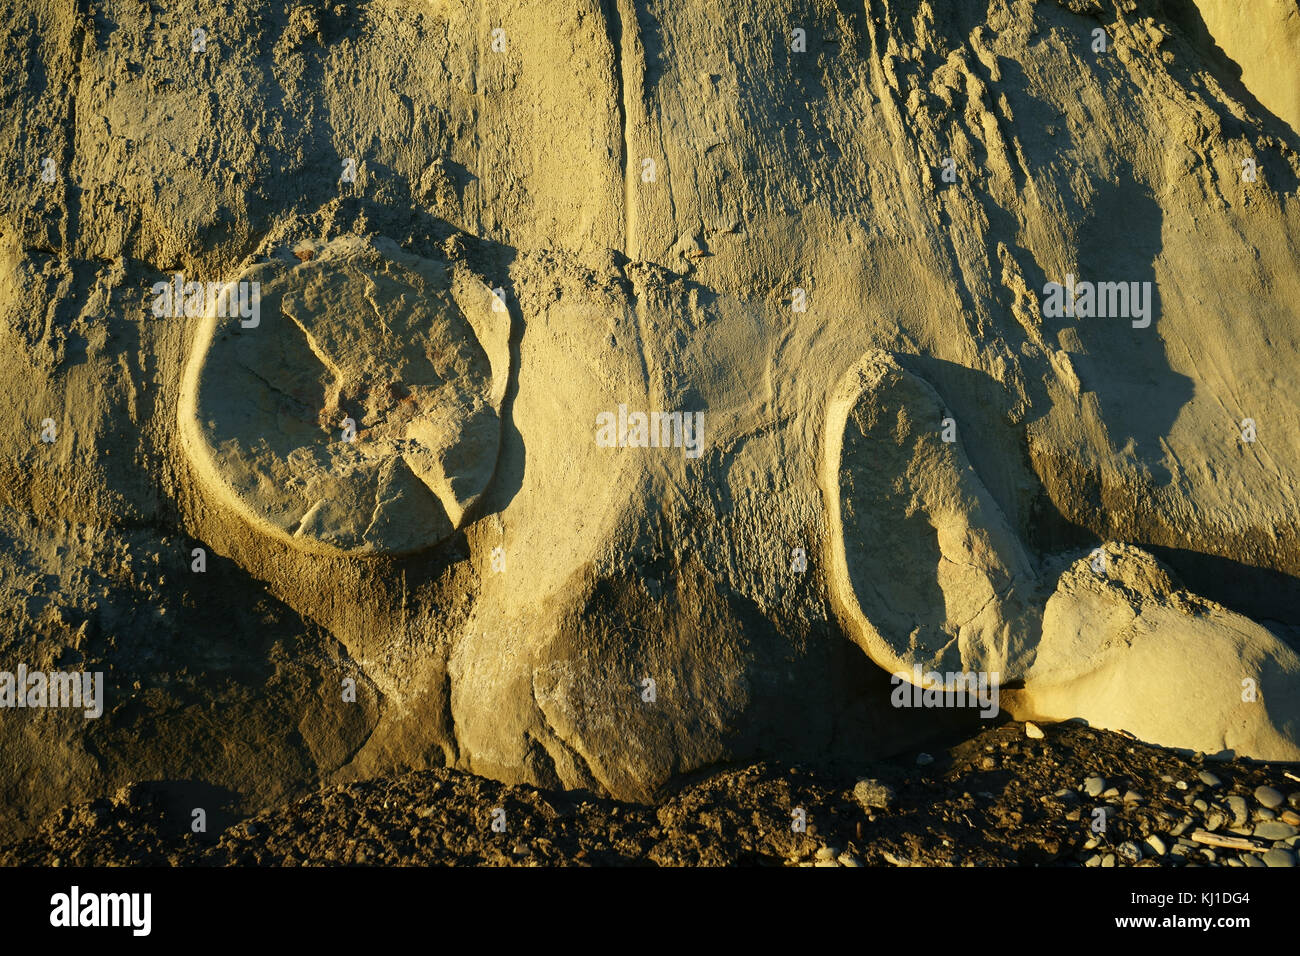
x=704 y=207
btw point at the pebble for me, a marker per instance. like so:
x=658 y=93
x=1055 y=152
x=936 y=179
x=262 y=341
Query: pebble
x=872 y=794
x=1129 y=852
x=1182 y=826
x=1094 y=860
x=1092 y=843
x=1214 y=820
x=1108 y=859
x=1251 y=859
x=1181 y=785
x=1200 y=805
x=924 y=760
x=1274 y=830
x=96 y=816
x=1294 y=799
x=1240 y=812
x=1112 y=792
x=1279 y=857
x=1269 y=797
x=1156 y=845
x=1066 y=796
x=826 y=853
x=1291 y=817
x=1093 y=786
x=1209 y=779
x=1033 y=731
x=988 y=763
x=848 y=859
x=1132 y=796
x=1264 y=813
x=825 y=863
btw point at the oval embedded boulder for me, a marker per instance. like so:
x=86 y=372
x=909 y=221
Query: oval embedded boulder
x=923 y=564
x=408 y=349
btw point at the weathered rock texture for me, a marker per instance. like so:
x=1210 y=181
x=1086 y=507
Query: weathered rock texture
x=649 y=184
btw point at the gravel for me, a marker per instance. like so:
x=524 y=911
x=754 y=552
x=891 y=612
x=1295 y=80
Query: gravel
x=1026 y=812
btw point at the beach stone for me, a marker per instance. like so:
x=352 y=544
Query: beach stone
x=1274 y=830
x=1279 y=858
x=1209 y=779
x=1240 y=810
x=1269 y=797
x=1129 y=852
x=1093 y=786
x=1156 y=845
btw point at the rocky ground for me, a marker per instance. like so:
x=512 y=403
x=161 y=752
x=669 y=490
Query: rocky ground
x=1005 y=797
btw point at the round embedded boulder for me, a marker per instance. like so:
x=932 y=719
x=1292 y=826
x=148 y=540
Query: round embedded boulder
x=351 y=406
